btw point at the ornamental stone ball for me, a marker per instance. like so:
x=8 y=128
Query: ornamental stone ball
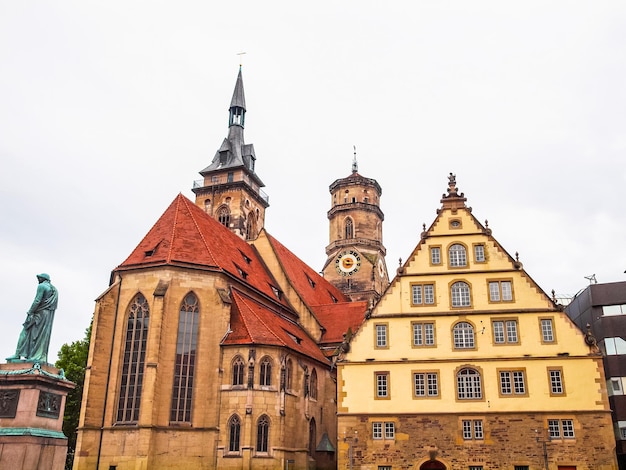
x=34 y=339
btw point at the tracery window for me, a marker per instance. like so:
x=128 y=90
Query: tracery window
x=133 y=361
x=262 y=435
x=265 y=376
x=238 y=369
x=185 y=361
x=349 y=228
x=223 y=216
x=234 y=434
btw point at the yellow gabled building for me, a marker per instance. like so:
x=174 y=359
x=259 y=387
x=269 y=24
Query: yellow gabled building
x=465 y=363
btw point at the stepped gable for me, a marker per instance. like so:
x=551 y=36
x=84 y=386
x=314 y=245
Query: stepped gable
x=337 y=319
x=186 y=236
x=312 y=288
x=254 y=323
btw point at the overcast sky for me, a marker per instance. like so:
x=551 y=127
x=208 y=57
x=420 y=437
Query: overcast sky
x=109 y=109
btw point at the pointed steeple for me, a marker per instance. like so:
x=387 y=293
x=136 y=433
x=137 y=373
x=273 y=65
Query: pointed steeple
x=230 y=190
x=237 y=110
x=355 y=164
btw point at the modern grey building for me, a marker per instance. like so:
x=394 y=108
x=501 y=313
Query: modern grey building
x=603 y=308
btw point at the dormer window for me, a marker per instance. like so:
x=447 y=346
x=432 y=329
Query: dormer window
x=311 y=282
x=277 y=292
x=246 y=258
x=241 y=272
x=294 y=338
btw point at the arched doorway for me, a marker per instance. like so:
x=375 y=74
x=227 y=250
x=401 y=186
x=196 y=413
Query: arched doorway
x=432 y=465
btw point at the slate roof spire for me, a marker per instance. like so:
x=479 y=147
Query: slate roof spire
x=237 y=110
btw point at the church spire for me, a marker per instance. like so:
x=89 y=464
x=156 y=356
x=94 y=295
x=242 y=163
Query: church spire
x=355 y=164
x=237 y=110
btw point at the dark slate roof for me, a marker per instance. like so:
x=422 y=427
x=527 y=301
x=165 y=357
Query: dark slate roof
x=239 y=99
x=252 y=322
x=186 y=236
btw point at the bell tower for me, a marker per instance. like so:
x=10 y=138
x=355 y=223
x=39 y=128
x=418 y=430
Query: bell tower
x=230 y=190
x=355 y=255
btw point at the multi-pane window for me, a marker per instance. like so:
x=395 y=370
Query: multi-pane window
x=238 y=370
x=234 y=434
x=386 y=430
x=505 y=331
x=133 y=361
x=479 y=253
x=463 y=334
x=390 y=430
x=512 y=382
x=435 y=255
x=423 y=334
x=457 y=255
x=520 y=467
x=468 y=385
x=547 y=330
x=381 y=335
x=556 y=382
x=473 y=429
x=382 y=384
x=262 y=434
x=423 y=294
x=265 y=372
x=313 y=385
x=476 y=467
x=500 y=291
x=426 y=384
x=460 y=293
x=185 y=361
x=377 y=430
x=622 y=433
x=561 y=428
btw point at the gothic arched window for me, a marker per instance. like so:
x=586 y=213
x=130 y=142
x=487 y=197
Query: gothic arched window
x=238 y=369
x=289 y=375
x=349 y=228
x=234 y=434
x=133 y=361
x=313 y=385
x=262 y=434
x=312 y=436
x=223 y=216
x=185 y=361
x=265 y=375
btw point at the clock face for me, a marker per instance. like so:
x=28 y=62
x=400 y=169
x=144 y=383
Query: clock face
x=381 y=268
x=348 y=262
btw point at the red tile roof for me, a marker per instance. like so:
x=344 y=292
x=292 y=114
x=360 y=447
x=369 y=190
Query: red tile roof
x=338 y=318
x=254 y=323
x=312 y=288
x=317 y=293
x=186 y=236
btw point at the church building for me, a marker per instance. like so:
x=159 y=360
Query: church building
x=214 y=345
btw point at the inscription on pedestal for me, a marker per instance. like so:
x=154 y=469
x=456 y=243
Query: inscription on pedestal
x=48 y=405
x=8 y=403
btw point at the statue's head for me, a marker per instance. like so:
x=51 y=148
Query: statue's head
x=43 y=277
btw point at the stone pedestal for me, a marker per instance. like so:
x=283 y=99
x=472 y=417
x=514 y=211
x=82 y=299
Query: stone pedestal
x=32 y=401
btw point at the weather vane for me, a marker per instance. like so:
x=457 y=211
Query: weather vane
x=240 y=54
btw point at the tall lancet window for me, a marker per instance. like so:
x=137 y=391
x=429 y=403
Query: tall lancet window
x=349 y=231
x=133 y=361
x=223 y=216
x=185 y=361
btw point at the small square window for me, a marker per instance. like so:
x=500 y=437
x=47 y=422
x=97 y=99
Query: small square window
x=377 y=430
x=622 y=433
x=616 y=385
x=472 y=429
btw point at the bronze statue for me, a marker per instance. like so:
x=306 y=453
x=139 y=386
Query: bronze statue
x=34 y=339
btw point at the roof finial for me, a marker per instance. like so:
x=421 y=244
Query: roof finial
x=355 y=165
x=240 y=54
